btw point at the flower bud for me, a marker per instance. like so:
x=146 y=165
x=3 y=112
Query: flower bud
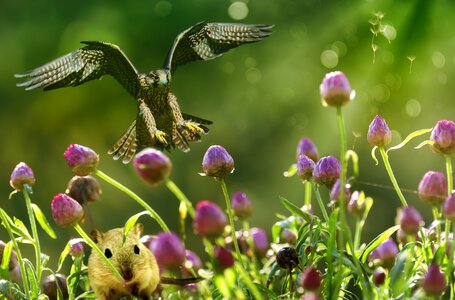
x=82 y=160
x=260 y=241
x=357 y=204
x=327 y=171
x=434 y=283
x=21 y=175
x=379 y=276
x=433 y=188
x=224 y=257
x=287 y=258
x=335 y=192
x=288 y=236
x=147 y=240
x=443 y=137
x=152 y=165
x=209 y=220
x=305 y=167
x=66 y=211
x=311 y=279
x=169 y=250
x=84 y=189
x=217 y=162
x=379 y=133
x=308 y=148
x=76 y=248
x=192 y=261
x=310 y=296
x=410 y=220
x=241 y=205
x=449 y=208
x=386 y=253
x=335 y=89
x=50 y=286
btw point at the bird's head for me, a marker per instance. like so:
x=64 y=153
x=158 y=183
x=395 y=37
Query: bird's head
x=160 y=77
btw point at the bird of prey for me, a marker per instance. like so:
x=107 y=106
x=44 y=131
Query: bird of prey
x=159 y=122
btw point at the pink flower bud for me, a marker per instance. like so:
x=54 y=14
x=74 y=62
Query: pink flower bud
x=443 y=136
x=260 y=241
x=224 y=257
x=379 y=133
x=82 y=160
x=241 y=205
x=356 y=205
x=386 y=253
x=433 y=188
x=169 y=250
x=335 y=89
x=311 y=279
x=66 y=211
x=21 y=175
x=288 y=236
x=305 y=167
x=379 y=276
x=434 y=283
x=152 y=165
x=308 y=148
x=327 y=171
x=449 y=207
x=76 y=248
x=217 y=162
x=335 y=192
x=209 y=219
x=410 y=220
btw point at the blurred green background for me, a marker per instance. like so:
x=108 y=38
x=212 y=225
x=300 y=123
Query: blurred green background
x=262 y=98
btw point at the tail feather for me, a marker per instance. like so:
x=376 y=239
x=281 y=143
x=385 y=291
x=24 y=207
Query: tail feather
x=198 y=120
x=126 y=145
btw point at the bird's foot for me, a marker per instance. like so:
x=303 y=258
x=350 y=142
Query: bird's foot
x=192 y=127
x=161 y=136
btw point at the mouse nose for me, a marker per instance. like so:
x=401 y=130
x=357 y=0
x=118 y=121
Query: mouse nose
x=127 y=274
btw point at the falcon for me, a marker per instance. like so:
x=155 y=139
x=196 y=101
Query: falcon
x=159 y=122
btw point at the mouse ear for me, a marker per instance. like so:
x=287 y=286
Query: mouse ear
x=97 y=236
x=138 y=229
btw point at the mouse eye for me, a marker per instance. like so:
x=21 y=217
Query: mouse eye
x=108 y=253
x=136 y=249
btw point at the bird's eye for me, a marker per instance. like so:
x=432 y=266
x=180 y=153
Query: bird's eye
x=108 y=253
x=136 y=249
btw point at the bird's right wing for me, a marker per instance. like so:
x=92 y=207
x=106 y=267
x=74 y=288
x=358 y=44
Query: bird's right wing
x=82 y=65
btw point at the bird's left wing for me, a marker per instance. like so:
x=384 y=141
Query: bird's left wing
x=205 y=41
x=82 y=65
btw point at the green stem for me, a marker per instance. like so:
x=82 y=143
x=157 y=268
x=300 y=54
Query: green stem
x=180 y=195
x=321 y=204
x=36 y=243
x=438 y=226
x=447 y=221
x=92 y=244
x=358 y=233
x=133 y=195
x=343 y=162
x=388 y=167
x=18 y=252
x=449 y=174
x=240 y=266
x=307 y=194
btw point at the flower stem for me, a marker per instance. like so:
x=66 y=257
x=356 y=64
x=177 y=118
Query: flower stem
x=358 y=233
x=240 y=265
x=321 y=204
x=36 y=243
x=438 y=226
x=97 y=249
x=388 y=167
x=7 y=226
x=447 y=221
x=133 y=195
x=343 y=162
x=307 y=194
x=180 y=195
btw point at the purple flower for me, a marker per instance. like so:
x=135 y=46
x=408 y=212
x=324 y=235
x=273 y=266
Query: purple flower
x=410 y=220
x=287 y=258
x=308 y=148
x=192 y=260
x=356 y=204
x=335 y=89
x=311 y=279
x=443 y=136
x=288 y=236
x=379 y=133
x=260 y=241
x=327 y=171
x=66 y=211
x=449 y=207
x=209 y=219
x=82 y=160
x=434 y=283
x=152 y=165
x=379 y=276
x=310 y=296
x=21 y=175
x=84 y=189
x=217 y=162
x=305 y=167
x=386 y=253
x=50 y=286
x=335 y=192
x=433 y=188
x=224 y=257
x=169 y=250
x=241 y=205
x=76 y=248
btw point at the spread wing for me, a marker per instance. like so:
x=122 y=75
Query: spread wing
x=82 y=65
x=205 y=41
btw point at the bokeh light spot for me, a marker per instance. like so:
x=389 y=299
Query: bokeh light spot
x=413 y=108
x=438 y=59
x=228 y=68
x=329 y=59
x=253 y=75
x=380 y=93
x=340 y=48
x=238 y=10
x=389 y=32
x=163 y=8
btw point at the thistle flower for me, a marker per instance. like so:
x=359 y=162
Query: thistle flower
x=327 y=171
x=379 y=133
x=84 y=189
x=22 y=175
x=82 y=160
x=209 y=219
x=335 y=192
x=224 y=257
x=311 y=279
x=50 y=286
x=287 y=258
x=152 y=165
x=335 y=89
x=241 y=205
x=305 y=167
x=434 y=282
x=66 y=211
x=443 y=137
x=260 y=241
x=449 y=207
x=433 y=188
x=169 y=250
x=308 y=148
x=410 y=220
x=217 y=162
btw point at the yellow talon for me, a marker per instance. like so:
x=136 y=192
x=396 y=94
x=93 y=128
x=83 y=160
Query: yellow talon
x=161 y=136
x=193 y=127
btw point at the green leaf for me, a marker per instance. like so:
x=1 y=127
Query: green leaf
x=43 y=221
x=31 y=274
x=4 y=271
x=87 y=295
x=377 y=241
x=131 y=222
x=18 y=227
x=63 y=255
x=409 y=137
x=8 y=287
x=373 y=155
x=291 y=171
x=295 y=210
x=426 y=142
x=265 y=291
